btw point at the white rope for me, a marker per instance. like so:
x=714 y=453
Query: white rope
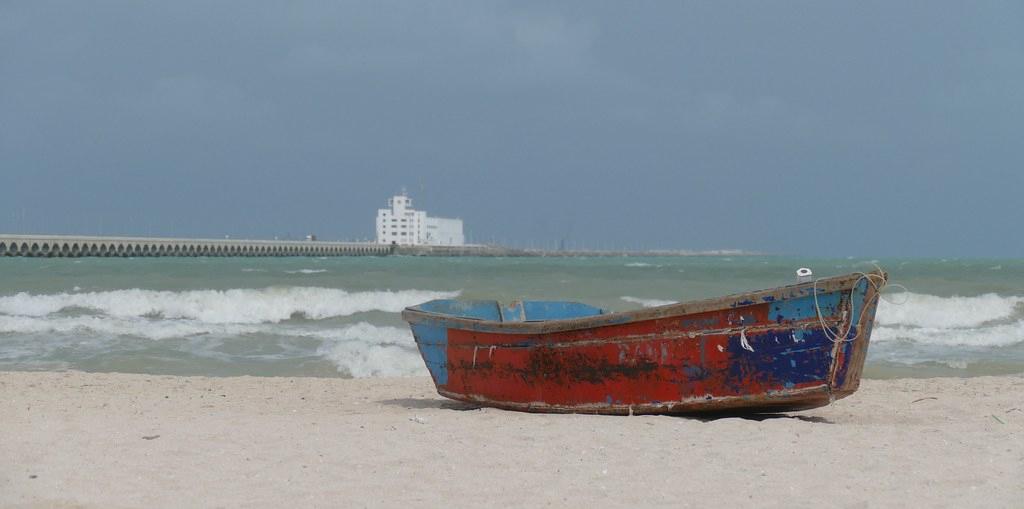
x=743 y=341
x=896 y=285
x=877 y=281
x=871 y=279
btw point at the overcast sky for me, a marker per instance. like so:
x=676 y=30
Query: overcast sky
x=817 y=128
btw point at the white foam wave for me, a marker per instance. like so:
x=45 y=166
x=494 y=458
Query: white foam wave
x=244 y=306
x=987 y=320
x=364 y=350
x=639 y=264
x=922 y=310
x=999 y=335
x=358 y=350
x=306 y=271
x=105 y=326
x=647 y=303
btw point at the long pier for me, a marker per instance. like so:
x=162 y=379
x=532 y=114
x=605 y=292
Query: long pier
x=73 y=246
x=80 y=246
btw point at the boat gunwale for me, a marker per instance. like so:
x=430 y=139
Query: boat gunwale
x=732 y=301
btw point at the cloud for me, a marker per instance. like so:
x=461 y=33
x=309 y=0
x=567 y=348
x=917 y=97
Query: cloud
x=492 y=109
x=554 y=44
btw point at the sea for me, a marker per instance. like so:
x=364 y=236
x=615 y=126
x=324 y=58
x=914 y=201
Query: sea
x=340 y=317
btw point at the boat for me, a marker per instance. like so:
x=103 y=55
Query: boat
x=784 y=349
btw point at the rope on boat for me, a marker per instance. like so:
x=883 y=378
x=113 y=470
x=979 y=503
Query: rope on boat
x=743 y=341
x=875 y=280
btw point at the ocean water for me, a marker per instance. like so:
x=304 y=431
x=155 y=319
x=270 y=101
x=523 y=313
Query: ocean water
x=340 y=316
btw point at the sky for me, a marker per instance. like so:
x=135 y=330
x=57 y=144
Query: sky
x=806 y=128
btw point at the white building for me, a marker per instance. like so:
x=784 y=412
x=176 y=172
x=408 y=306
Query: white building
x=403 y=225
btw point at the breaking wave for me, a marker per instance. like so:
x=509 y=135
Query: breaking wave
x=356 y=350
x=238 y=325
x=979 y=321
x=364 y=350
x=236 y=306
x=92 y=326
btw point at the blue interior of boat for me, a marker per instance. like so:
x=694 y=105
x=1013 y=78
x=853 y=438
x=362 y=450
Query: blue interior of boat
x=516 y=311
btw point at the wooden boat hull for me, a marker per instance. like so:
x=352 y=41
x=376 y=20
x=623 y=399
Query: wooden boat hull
x=785 y=349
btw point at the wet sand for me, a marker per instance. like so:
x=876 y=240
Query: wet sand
x=75 y=439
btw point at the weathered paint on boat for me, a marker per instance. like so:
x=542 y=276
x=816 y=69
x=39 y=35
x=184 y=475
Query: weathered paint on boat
x=759 y=351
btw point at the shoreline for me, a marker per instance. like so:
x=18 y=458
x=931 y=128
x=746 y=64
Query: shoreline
x=75 y=439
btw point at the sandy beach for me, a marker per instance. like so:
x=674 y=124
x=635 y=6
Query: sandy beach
x=72 y=439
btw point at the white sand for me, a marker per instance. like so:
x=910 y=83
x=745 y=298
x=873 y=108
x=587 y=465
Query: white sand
x=113 y=440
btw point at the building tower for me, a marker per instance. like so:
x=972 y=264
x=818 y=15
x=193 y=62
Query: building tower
x=403 y=225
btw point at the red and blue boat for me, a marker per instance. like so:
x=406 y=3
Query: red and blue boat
x=783 y=349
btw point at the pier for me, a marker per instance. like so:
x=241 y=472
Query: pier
x=71 y=246
x=81 y=246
